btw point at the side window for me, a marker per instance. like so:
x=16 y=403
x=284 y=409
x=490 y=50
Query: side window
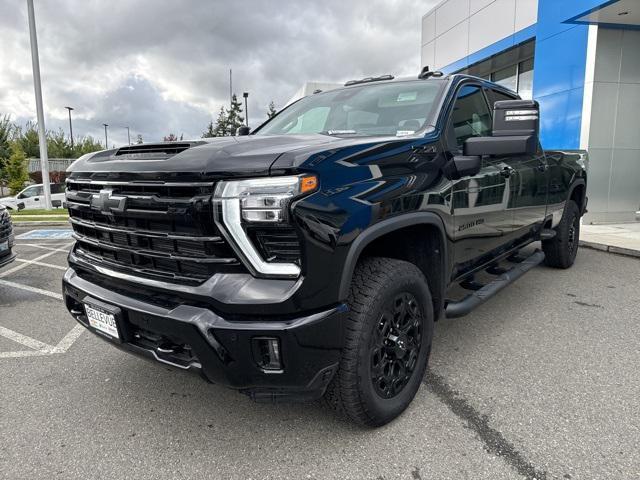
x=470 y=117
x=29 y=192
x=495 y=95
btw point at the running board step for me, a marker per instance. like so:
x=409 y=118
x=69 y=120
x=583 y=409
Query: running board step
x=547 y=234
x=475 y=299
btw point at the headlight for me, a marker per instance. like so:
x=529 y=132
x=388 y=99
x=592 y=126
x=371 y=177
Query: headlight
x=258 y=201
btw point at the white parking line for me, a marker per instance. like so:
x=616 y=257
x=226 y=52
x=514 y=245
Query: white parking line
x=31 y=289
x=23 y=339
x=62 y=346
x=42 y=264
x=54 y=248
x=29 y=262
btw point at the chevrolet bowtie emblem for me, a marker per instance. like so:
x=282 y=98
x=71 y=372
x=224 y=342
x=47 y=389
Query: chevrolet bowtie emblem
x=108 y=203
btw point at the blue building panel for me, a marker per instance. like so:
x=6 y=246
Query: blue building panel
x=561 y=119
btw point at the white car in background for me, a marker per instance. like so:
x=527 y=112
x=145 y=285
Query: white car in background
x=33 y=197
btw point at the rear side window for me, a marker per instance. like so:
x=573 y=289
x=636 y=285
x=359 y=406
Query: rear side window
x=470 y=117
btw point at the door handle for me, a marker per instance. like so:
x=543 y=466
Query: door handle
x=36 y=199
x=506 y=172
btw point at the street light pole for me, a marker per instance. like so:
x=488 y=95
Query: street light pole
x=246 y=108
x=70 y=126
x=106 y=141
x=128 y=136
x=42 y=138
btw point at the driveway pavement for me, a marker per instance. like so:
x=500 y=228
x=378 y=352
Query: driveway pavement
x=540 y=382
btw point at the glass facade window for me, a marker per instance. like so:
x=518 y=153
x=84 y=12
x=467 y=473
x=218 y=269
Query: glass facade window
x=525 y=79
x=512 y=69
x=507 y=77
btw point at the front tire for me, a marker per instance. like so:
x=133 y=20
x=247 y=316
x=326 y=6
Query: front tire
x=388 y=336
x=561 y=250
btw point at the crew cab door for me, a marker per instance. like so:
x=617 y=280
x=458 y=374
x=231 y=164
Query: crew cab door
x=528 y=179
x=479 y=203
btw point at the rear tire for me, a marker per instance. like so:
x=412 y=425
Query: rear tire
x=561 y=250
x=388 y=336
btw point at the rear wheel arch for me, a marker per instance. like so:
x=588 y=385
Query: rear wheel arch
x=430 y=254
x=577 y=193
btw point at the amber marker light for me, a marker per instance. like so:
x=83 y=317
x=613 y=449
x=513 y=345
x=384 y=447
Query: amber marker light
x=308 y=184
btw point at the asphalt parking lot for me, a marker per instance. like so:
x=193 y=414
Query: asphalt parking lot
x=540 y=382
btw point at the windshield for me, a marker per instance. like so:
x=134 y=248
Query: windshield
x=395 y=108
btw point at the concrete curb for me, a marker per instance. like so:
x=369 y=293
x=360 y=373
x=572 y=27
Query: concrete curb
x=610 y=249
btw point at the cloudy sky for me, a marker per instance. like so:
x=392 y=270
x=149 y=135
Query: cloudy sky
x=162 y=66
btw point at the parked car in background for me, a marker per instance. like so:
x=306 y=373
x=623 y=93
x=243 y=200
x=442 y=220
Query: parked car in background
x=33 y=197
x=6 y=237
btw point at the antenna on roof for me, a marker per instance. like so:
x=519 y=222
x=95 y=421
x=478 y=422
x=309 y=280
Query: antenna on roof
x=426 y=73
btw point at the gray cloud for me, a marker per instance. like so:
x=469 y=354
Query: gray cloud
x=162 y=66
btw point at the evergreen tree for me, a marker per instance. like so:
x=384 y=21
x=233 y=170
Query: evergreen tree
x=58 y=146
x=272 y=110
x=29 y=140
x=16 y=168
x=84 y=145
x=5 y=146
x=139 y=140
x=221 y=128
x=171 y=137
x=234 y=116
x=209 y=132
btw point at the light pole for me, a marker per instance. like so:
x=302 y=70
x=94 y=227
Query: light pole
x=42 y=138
x=70 y=126
x=128 y=135
x=246 y=108
x=106 y=141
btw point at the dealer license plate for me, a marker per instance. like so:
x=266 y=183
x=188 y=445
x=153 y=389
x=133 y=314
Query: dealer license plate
x=103 y=321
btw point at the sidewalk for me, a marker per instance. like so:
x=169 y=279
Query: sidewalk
x=623 y=238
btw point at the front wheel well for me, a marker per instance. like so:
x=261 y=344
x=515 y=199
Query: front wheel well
x=423 y=245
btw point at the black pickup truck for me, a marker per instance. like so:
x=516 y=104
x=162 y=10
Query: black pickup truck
x=6 y=237
x=311 y=257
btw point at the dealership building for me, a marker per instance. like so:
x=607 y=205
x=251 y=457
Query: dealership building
x=580 y=59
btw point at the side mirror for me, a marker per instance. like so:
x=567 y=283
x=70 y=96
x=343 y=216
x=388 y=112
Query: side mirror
x=516 y=129
x=462 y=166
x=242 y=131
x=19 y=196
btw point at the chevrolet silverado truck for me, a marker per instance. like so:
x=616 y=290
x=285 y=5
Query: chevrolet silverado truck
x=311 y=257
x=6 y=238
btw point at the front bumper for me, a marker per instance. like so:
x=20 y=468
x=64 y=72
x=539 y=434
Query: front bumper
x=222 y=350
x=7 y=258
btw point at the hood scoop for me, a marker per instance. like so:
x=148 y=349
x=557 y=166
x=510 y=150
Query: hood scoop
x=153 y=151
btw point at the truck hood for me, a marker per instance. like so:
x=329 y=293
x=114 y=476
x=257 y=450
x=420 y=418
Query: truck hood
x=215 y=158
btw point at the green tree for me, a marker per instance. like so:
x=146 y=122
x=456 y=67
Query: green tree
x=6 y=130
x=84 y=145
x=234 y=116
x=139 y=140
x=16 y=168
x=58 y=146
x=210 y=131
x=171 y=137
x=272 y=110
x=29 y=140
x=222 y=124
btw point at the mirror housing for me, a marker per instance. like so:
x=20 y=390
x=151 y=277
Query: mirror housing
x=462 y=166
x=516 y=130
x=243 y=131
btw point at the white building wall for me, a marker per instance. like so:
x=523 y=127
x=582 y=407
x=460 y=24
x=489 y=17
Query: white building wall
x=455 y=29
x=612 y=139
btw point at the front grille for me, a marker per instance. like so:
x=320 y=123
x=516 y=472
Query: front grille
x=151 y=229
x=5 y=226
